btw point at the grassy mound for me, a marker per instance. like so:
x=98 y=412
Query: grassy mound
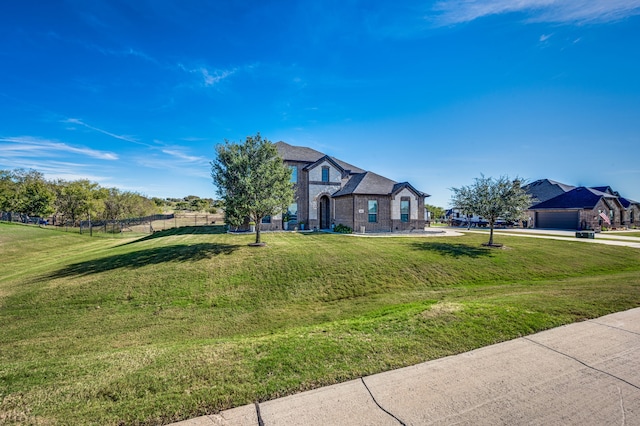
x=191 y=321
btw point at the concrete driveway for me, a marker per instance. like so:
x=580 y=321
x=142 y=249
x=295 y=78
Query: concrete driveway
x=608 y=238
x=586 y=373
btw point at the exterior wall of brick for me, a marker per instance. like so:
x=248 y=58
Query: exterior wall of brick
x=343 y=211
x=361 y=206
x=632 y=216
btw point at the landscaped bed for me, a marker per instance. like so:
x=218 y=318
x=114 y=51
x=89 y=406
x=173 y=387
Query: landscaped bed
x=192 y=321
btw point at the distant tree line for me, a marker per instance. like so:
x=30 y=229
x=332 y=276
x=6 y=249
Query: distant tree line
x=191 y=203
x=28 y=194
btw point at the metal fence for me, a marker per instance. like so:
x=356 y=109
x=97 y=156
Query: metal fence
x=147 y=224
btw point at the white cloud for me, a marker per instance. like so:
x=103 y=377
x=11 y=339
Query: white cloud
x=182 y=156
x=545 y=37
x=113 y=135
x=29 y=146
x=556 y=11
x=208 y=78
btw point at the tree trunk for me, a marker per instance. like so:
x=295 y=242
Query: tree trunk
x=258 y=223
x=491 y=233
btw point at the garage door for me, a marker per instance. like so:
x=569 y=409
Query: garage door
x=557 y=220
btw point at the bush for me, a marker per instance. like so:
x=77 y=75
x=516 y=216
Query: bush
x=343 y=229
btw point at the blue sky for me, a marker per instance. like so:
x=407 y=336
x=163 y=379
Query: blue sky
x=136 y=94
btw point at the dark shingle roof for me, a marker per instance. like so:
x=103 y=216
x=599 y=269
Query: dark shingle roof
x=578 y=198
x=546 y=189
x=360 y=182
x=297 y=153
x=309 y=155
x=367 y=183
x=626 y=202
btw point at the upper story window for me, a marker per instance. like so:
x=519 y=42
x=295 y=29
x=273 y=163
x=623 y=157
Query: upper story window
x=294 y=174
x=373 y=211
x=325 y=174
x=404 y=210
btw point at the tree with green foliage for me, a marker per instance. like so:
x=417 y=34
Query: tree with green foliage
x=492 y=199
x=35 y=195
x=198 y=204
x=25 y=192
x=252 y=180
x=436 y=212
x=126 y=204
x=78 y=198
x=8 y=191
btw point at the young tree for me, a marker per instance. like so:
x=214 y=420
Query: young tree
x=252 y=180
x=436 y=212
x=492 y=199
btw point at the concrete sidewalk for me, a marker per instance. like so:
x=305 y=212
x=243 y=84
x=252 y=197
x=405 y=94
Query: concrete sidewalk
x=586 y=373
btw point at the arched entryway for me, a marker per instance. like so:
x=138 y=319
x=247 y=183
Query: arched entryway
x=325 y=212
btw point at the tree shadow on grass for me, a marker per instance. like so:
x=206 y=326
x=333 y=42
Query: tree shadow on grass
x=453 y=250
x=146 y=257
x=183 y=230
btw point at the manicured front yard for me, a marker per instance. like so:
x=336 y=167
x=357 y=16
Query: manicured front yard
x=191 y=321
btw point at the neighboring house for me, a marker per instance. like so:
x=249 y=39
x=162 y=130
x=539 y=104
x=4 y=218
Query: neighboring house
x=546 y=189
x=560 y=206
x=330 y=192
x=632 y=212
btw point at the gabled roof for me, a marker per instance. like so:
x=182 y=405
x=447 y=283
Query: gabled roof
x=626 y=203
x=402 y=185
x=297 y=153
x=367 y=183
x=606 y=189
x=360 y=182
x=545 y=189
x=578 y=198
x=562 y=186
x=309 y=155
x=328 y=159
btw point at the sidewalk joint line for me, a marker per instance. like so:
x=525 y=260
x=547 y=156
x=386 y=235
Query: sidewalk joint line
x=583 y=363
x=614 y=327
x=380 y=406
x=260 y=422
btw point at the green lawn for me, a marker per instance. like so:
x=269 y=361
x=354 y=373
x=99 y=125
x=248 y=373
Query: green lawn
x=619 y=234
x=191 y=321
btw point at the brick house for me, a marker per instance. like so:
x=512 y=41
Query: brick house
x=561 y=206
x=330 y=192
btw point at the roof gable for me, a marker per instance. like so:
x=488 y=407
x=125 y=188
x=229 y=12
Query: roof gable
x=578 y=198
x=310 y=156
x=400 y=186
x=367 y=183
x=546 y=189
x=324 y=159
x=297 y=153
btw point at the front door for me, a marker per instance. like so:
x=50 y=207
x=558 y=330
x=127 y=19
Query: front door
x=325 y=212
